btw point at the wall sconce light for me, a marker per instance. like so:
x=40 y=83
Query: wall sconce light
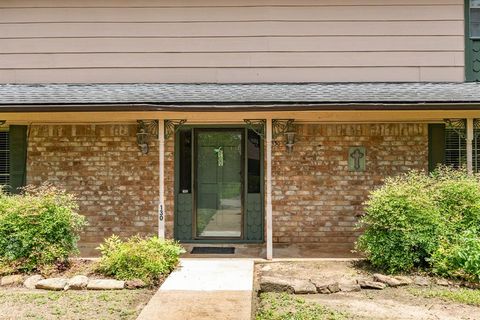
x=146 y=129
x=290 y=139
x=142 y=137
x=286 y=128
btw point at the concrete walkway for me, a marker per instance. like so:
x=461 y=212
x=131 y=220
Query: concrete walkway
x=204 y=289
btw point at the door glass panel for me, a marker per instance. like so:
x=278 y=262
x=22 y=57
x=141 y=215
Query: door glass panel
x=185 y=161
x=219 y=183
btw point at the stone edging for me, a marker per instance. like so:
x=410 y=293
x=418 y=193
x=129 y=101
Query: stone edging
x=78 y=282
x=329 y=286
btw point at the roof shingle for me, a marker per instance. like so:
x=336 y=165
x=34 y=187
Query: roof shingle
x=239 y=94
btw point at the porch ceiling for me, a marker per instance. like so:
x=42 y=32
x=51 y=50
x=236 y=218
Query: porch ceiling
x=239 y=97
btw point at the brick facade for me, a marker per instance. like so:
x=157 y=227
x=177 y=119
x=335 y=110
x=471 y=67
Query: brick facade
x=316 y=199
x=116 y=185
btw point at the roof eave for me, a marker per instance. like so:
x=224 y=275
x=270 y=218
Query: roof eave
x=243 y=106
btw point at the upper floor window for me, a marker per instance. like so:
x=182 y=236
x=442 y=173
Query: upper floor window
x=475 y=19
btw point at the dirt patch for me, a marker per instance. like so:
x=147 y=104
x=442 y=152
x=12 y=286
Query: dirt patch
x=394 y=303
x=84 y=267
x=390 y=303
x=315 y=269
x=16 y=303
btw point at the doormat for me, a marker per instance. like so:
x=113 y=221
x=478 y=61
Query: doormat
x=213 y=250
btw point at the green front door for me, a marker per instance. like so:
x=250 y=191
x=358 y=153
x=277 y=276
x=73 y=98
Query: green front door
x=218 y=185
x=218 y=170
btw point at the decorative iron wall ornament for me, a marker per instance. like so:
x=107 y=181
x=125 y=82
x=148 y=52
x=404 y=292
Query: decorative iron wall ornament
x=476 y=128
x=145 y=130
x=257 y=125
x=476 y=124
x=172 y=126
x=286 y=128
x=281 y=126
x=458 y=125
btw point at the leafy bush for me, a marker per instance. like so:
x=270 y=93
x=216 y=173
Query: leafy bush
x=457 y=197
x=38 y=229
x=400 y=224
x=138 y=258
x=459 y=257
x=429 y=222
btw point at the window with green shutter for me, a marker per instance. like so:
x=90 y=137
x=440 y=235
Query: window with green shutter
x=447 y=144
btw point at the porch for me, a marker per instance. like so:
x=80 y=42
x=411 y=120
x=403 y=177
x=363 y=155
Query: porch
x=306 y=193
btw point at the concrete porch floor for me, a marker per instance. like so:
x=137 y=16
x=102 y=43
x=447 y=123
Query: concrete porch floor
x=280 y=251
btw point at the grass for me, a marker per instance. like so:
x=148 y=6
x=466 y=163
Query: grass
x=108 y=305
x=282 y=306
x=465 y=296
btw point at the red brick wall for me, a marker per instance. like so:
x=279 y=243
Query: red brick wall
x=116 y=185
x=316 y=198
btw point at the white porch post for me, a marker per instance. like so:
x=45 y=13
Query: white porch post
x=269 y=189
x=469 y=145
x=161 y=179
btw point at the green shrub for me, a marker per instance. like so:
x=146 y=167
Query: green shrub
x=38 y=229
x=400 y=224
x=428 y=222
x=138 y=258
x=459 y=256
x=457 y=196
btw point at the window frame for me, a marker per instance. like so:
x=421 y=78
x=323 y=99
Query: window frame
x=460 y=148
x=7 y=158
x=476 y=146
x=461 y=132
x=469 y=20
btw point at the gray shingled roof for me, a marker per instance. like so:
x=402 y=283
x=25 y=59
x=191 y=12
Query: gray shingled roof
x=238 y=94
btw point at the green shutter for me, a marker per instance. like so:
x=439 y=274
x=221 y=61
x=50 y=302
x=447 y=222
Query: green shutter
x=436 y=145
x=18 y=157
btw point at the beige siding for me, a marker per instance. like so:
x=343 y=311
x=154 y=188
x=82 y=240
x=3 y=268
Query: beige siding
x=226 y=41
